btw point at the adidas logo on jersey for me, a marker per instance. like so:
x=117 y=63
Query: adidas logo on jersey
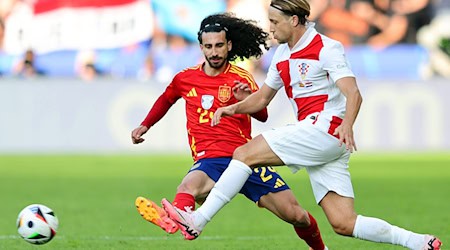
x=192 y=93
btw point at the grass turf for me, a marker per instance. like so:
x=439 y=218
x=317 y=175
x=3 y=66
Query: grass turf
x=93 y=197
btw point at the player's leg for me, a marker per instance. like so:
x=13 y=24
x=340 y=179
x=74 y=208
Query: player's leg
x=333 y=191
x=330 y=181
x=340 y=213
x=199 y=181
x=212 y=168
x=285 y=206
x=194 y=187
x=254 y=153
x=229 y=184
x=344 y=220
x=287 y=143
x=266 y=188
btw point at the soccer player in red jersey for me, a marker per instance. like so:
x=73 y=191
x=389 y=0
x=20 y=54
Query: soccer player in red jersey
x=322 y=89
x=205 y=88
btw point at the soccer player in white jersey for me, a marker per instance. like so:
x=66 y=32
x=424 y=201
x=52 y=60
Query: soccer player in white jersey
x=325 y=97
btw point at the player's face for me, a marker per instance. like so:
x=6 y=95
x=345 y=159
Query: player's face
x=280 y=25
x=215 y=47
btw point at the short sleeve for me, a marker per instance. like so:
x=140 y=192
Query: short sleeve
x=334 y=61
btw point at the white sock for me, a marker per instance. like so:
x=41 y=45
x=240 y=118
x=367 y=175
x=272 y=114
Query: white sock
x=228 y=185
x=377 y=230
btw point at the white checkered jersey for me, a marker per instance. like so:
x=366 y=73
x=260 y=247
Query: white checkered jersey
x=309 y=72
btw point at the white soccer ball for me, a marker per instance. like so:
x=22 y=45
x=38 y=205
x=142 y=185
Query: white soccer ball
x=37 y=224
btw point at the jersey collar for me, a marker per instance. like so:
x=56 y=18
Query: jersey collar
x=310 y=33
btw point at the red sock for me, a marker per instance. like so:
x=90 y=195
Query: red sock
x=311 y=234
x=183 y=200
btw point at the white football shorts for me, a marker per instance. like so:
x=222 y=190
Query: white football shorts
x=307 y=144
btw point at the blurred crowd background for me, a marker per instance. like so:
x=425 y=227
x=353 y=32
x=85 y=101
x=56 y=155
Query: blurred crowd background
x=151 y=40
x=77 y=75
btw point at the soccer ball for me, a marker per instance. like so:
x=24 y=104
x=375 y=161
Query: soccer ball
x=37 y=224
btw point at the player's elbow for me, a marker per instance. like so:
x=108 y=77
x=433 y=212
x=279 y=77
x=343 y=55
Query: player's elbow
x=264 y=116
x=259 y=118
x=355 y=96
x=261 y=115
x=359 y=98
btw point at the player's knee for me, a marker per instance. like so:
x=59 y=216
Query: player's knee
x=243 y=155
x=239 y=154
x=297 y=216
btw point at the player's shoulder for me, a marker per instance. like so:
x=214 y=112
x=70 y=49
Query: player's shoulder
x=282 y=52
x=190 y=70
x=235 y=69
x=239 y=73
x=330 y=43
x=186 y=73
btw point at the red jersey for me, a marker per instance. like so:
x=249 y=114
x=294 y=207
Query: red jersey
x=203 y=95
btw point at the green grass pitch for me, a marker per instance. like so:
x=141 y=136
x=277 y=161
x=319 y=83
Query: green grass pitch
x=93 y=197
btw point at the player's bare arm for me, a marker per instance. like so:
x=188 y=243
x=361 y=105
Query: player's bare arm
x=349 y=88
x=137 y=133
x=242 y=91
x=252 y=104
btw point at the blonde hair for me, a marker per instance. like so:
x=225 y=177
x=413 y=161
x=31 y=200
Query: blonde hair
x=300 y=8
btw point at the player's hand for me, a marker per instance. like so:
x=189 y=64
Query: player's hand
x=223 y=111
x=137 y=133
x=241 y=90
x=345 y=135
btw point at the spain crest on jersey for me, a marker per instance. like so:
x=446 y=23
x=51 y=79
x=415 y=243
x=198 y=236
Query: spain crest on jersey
x=224 y=94
x=207 y=101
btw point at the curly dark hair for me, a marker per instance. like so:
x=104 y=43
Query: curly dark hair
x=247 y=37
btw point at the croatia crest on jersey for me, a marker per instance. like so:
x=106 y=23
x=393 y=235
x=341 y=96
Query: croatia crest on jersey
x=224 y=94
x=207 y=101
x=303 y=68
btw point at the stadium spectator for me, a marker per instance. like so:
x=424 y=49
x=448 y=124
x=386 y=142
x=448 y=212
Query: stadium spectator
x=379 y=23
x=205 y=88
x=26 y=67
x=85 y=65
x=419 y=13
x=181 y=17
x=364 y=10
x=2 y=33
x=147 y=71
x=436 y=39
x=392 y=21
x=176 y=46
x=338 y=23
x=317 y=79
x=317 y=8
